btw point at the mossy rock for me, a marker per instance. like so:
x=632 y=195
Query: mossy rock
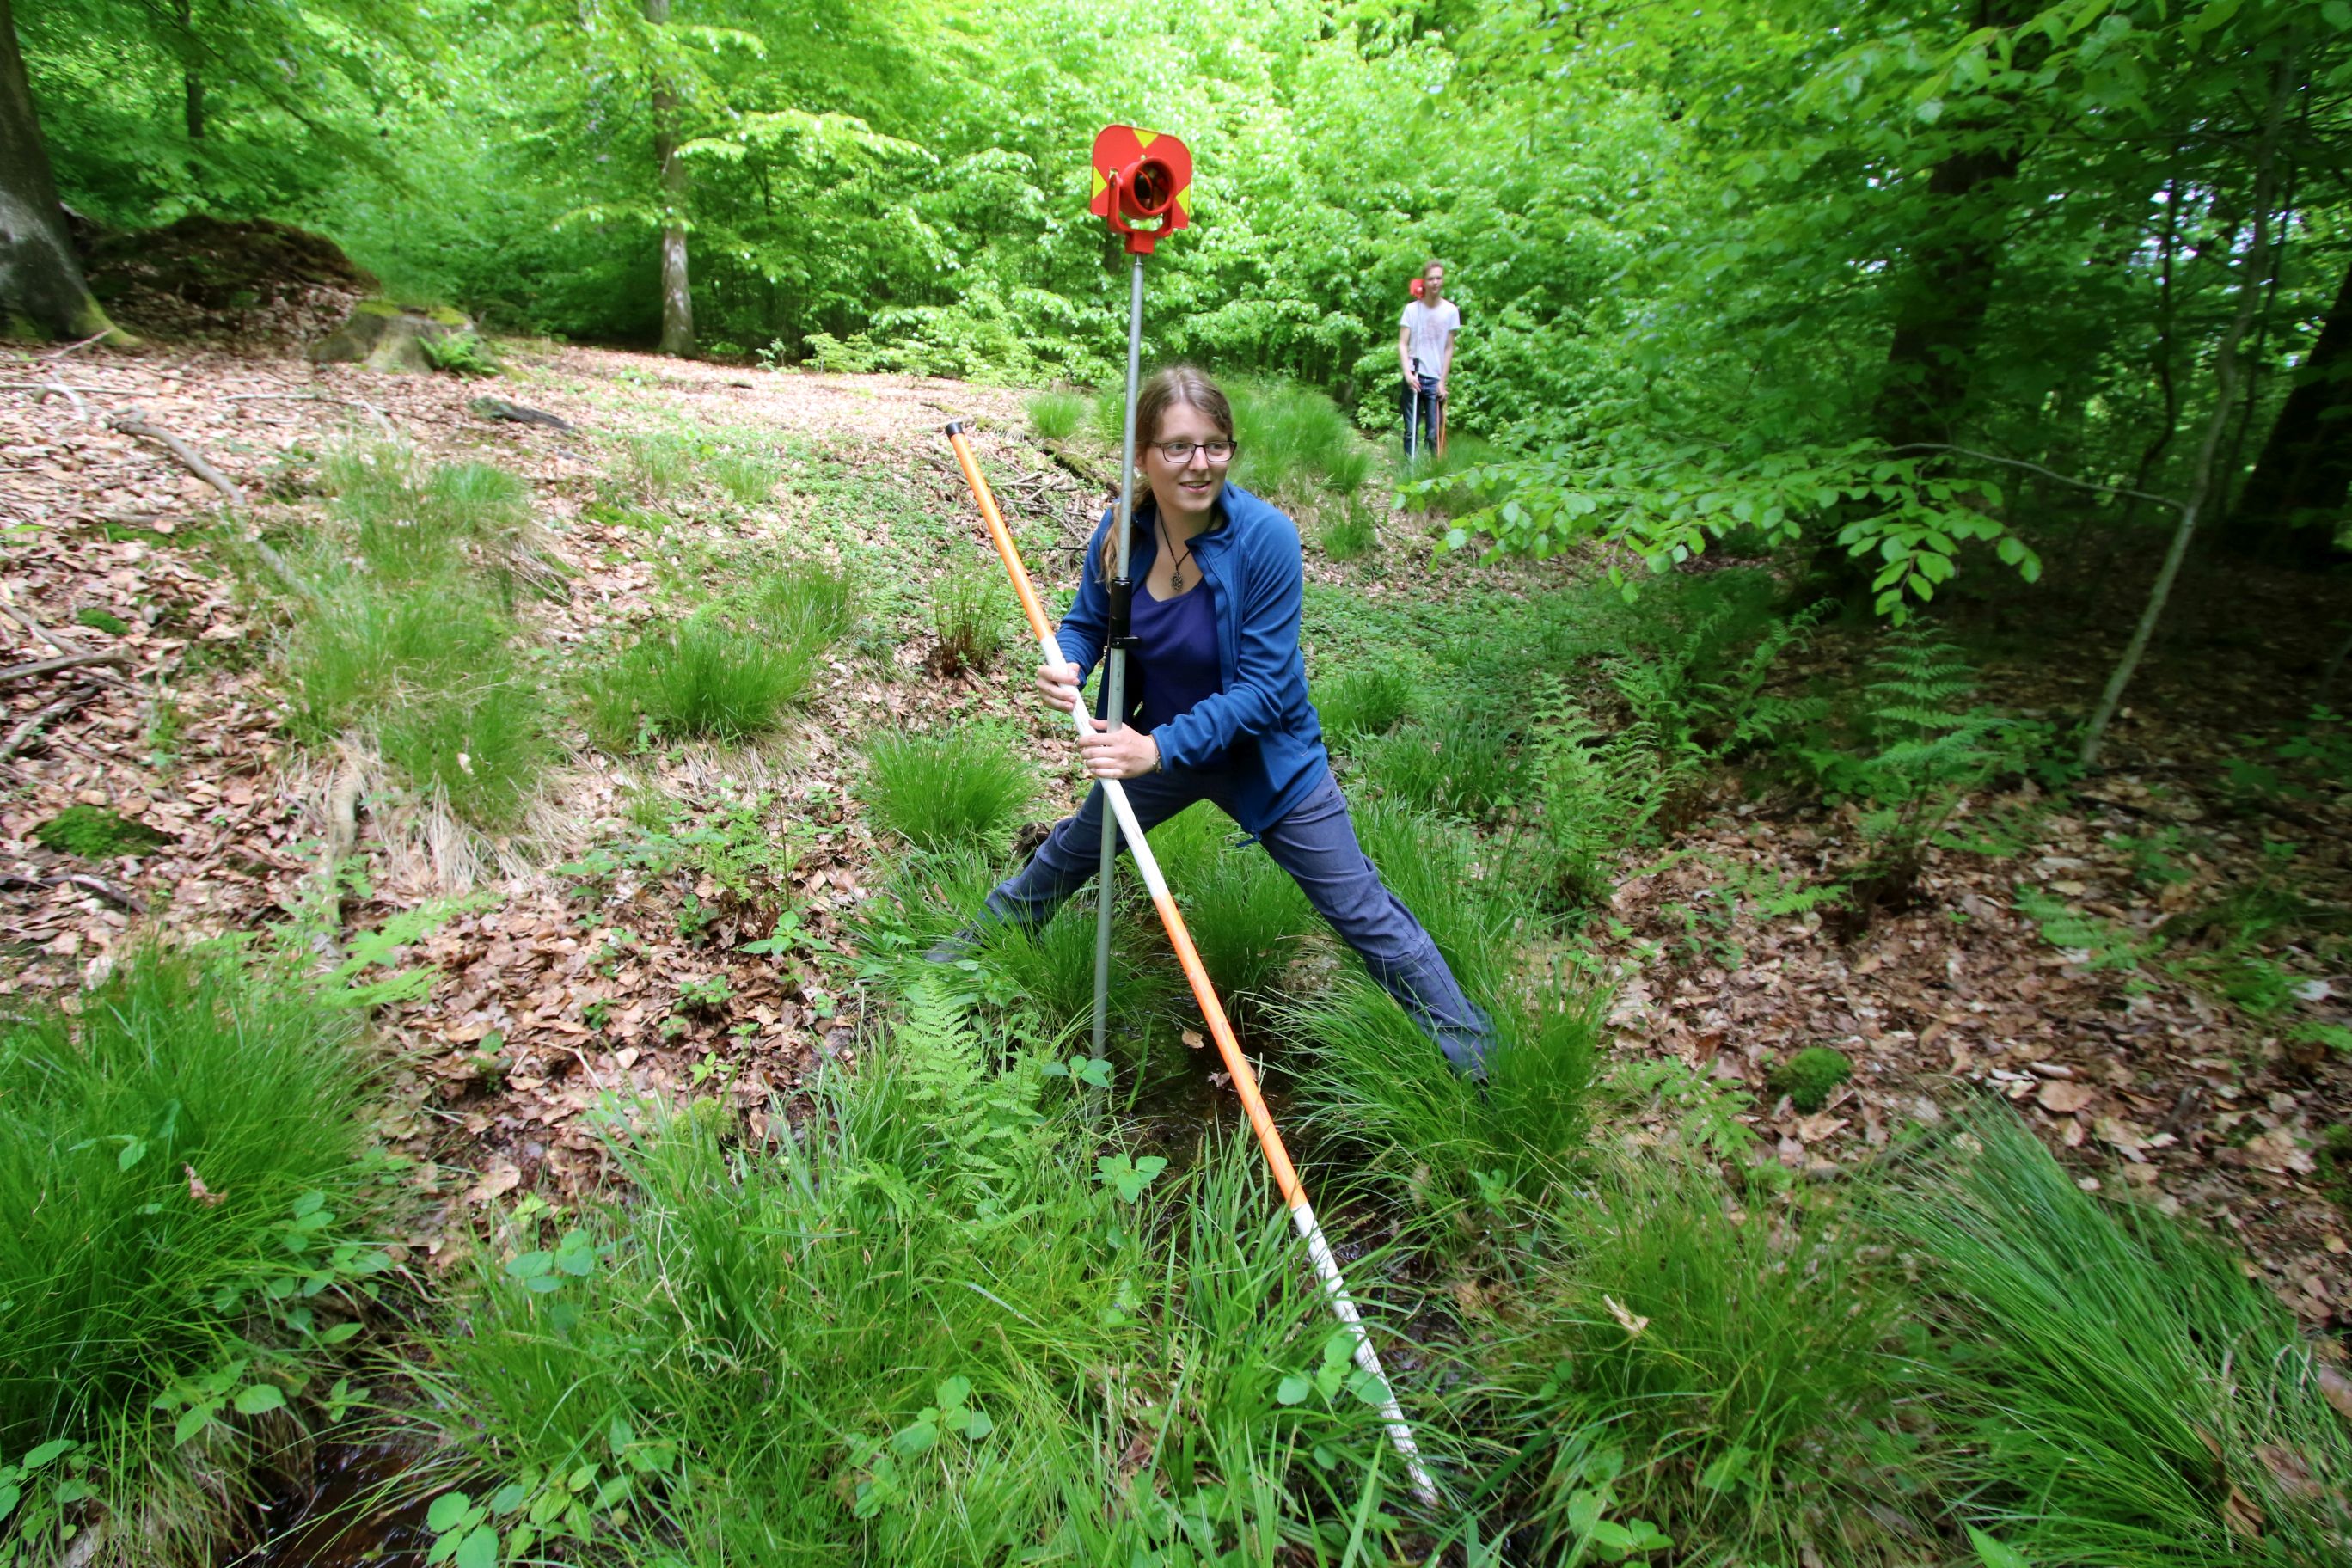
x=1809 y=1077
x=385 y=335
x=94 y=832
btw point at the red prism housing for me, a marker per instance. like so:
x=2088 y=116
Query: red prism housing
x=1141 y=177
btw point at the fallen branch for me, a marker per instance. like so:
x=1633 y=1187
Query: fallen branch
x=63 y=661
x=136 y=424
x=75 y=348
x=61 y=645
x=86 y=883
x=382 y=422
x=23 y=733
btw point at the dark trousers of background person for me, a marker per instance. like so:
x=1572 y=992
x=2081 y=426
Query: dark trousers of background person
x=1418 y=394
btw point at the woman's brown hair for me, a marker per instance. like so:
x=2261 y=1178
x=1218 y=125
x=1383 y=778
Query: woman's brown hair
x=1179 y=384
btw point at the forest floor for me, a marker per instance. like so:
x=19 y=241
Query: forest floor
x=551 y=985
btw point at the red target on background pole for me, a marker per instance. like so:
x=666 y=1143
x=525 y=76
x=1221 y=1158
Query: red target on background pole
x=1142 y=176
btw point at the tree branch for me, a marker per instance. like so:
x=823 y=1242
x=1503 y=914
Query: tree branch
x=2038 y=469
x=135 y=423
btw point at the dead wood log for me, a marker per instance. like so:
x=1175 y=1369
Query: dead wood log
x=136 y=424
x=23 y=733
x=63 y=661
x=86 y=883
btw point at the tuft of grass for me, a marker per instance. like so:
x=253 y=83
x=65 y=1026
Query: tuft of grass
x=807 y=601
x=2126 y=1395
x=1732 y=1360
x=1055 y=416
x=1374 y=1078
x=746 y=477
x=964 y=620
x=1462 y=889
x=961 y=786
x=481 y=747
x=1364 y=701
x=1247 y=916
x=179 y=1159
x=699 y=678
x=94 y=833
x=1452 y=761
x=1349 y=534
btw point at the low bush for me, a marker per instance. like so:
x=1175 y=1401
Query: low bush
x=701 y=677
x=966 y=619
x=181 y=1164
x=961 y=786
x=1055 y=416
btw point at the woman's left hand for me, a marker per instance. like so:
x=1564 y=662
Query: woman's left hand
x=1122 y=753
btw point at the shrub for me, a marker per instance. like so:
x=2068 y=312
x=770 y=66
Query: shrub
x=1246 y=916
x=965 y=619
x=2126 y=1395
x=1364 y=701
x=94 y=833
x=1055 y=416
x=180 y=1162
x=699 y=678
x=1809 y=1077
x=1349 y=534
x=963 y=786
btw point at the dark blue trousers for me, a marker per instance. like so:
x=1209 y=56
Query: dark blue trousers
x=1317 y=844
x=1419 y=395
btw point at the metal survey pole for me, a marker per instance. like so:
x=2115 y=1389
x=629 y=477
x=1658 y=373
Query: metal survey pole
x=1120 y=639
x=1213 y=1011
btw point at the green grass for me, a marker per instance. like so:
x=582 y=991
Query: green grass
x=1248 y=917
x=481 y=744
x=1466 y=892
x=961 y=786
x=1364 y=701
x=1454 y=761
x=1746 y=1369
x=2117 y=1381
x=1295 y=443
x=699 y=678
x=886 y=1341
x=748 y=478
x=127 y=1287
x=807 y=601
x=1056 y=416
x=1350 y=533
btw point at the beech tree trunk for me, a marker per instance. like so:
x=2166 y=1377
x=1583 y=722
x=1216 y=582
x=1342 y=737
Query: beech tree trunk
x=2292 y=507
x=192 y=80
x=677 y=299
x=41 y=290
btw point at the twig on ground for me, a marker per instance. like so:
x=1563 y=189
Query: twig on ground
x=42 y=391
x=63 y=661
x=382 y=422
x=74 y=348
x=136 y=424
x=86 y=883
x=23 y=733
x=62 y=645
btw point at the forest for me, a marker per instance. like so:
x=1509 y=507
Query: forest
x=509 y=707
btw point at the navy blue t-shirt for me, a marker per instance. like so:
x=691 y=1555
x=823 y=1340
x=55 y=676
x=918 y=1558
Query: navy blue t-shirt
x=1176 y=652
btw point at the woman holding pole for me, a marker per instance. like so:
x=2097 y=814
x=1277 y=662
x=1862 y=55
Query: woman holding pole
x=1218 y=708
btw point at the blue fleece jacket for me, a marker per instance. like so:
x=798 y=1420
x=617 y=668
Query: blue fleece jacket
x=1259 y=727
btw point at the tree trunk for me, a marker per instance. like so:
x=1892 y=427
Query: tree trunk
x=192 y=80
x=41 y=290
x=2292 y=507
x=2225 y=384
x=677 y=300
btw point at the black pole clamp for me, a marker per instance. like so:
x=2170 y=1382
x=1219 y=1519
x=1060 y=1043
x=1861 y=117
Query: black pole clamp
x=1119 y=629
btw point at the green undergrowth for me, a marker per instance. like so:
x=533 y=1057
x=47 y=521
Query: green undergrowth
x=405 y=628
x=939 y=1324
x=183 y=1162
x=1248 y=917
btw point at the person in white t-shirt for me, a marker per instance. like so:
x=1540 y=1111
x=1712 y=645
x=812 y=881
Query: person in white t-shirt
x=1425 y=356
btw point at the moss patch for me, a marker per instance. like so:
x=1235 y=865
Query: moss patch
x=1809 y=1077
x=100 y=620
x=94 y=832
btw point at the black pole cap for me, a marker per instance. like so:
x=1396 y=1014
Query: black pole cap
x=954 y=427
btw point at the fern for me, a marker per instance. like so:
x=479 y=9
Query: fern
x=1601 y=793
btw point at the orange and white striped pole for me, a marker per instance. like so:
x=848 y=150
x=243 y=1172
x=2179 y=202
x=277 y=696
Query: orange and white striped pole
x=1269 y=1139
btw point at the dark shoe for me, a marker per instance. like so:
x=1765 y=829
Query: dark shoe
x=955 y=949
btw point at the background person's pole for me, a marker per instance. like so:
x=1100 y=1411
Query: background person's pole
x=1221 y=1029
x=1114 y=685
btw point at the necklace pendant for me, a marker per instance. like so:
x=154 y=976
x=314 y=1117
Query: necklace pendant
x=1176 y=579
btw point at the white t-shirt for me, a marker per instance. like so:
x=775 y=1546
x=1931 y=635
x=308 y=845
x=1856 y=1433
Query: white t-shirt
x=1426 y=330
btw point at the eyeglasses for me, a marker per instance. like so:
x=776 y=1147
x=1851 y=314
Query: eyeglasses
x=1181 y=452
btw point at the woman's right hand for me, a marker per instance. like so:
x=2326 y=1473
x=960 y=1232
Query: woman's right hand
x=1059 y=682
